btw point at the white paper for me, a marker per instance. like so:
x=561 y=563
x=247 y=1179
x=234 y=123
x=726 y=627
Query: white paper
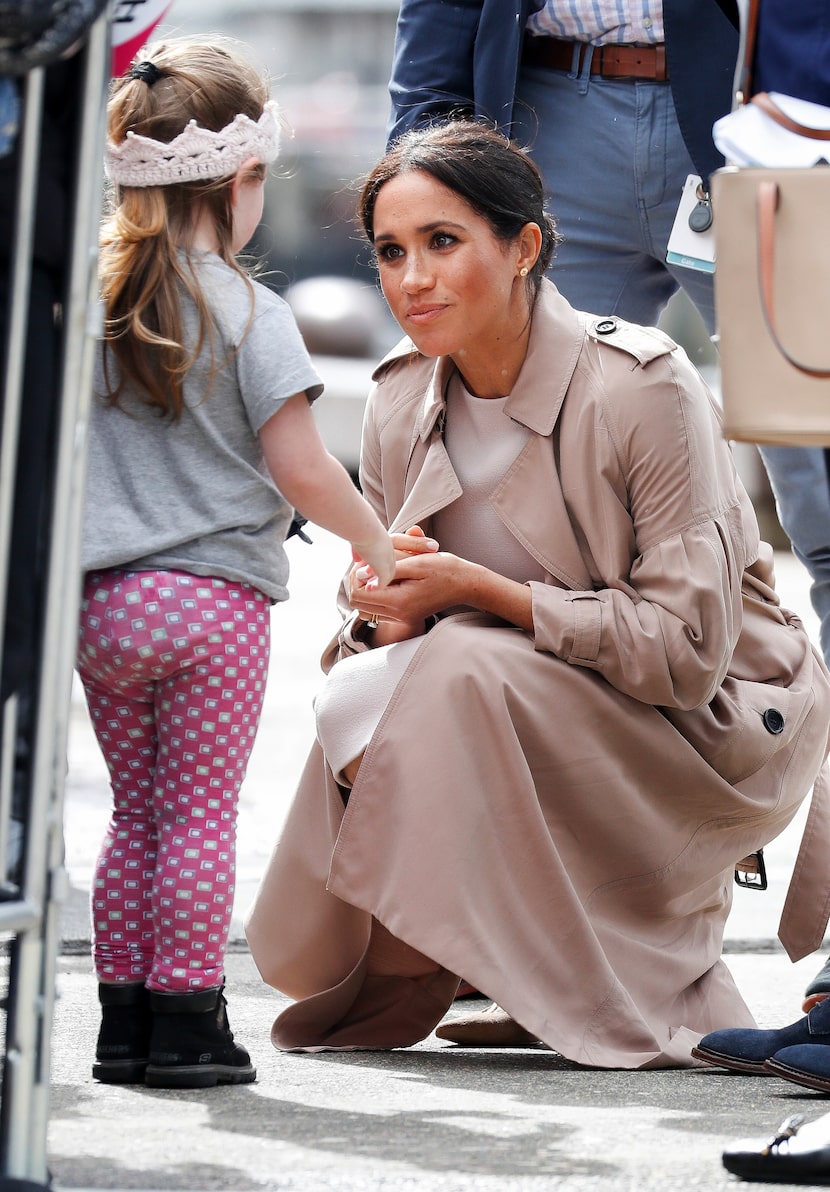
x=749 y=137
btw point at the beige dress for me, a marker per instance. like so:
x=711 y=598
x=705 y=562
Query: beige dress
x=481 y=444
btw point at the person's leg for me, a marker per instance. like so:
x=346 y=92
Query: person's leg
x=122 y=911
x=206 y=714
x=615 y=164
x=800 y=480
x=121 y=907
x=200 y=770
x=207 y=717
x=124 y=726
x=801 y=487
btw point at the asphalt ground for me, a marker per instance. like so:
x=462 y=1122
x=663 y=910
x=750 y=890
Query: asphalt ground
x=431 y=1117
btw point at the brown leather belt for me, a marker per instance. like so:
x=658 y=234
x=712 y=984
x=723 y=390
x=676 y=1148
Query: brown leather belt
x=610 y=61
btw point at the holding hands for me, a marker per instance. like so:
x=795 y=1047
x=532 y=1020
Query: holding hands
x=377 y=556
x=416 y=592
x=428 y=580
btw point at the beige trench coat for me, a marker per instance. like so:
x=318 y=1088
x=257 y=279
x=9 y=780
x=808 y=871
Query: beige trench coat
x=557 y=817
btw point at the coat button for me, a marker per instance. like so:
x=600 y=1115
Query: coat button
x=773 y=721
x=606 y=326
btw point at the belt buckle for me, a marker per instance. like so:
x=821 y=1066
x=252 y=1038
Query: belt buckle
x=751 y=872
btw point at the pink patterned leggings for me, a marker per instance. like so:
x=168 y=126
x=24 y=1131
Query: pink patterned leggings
x=174 y=668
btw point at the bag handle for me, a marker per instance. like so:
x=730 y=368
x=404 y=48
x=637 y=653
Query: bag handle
x=768 y=198
x=763 y=101
x=745 y=68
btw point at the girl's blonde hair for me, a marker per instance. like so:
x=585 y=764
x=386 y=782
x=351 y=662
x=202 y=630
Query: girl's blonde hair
x=142 y=272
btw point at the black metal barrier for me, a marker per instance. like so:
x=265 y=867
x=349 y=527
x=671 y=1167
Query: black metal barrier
x=52 y=109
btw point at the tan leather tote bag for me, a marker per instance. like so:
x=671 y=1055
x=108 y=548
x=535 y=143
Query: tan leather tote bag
x=772 y=297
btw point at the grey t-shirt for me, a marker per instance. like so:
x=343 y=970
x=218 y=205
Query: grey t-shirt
x=196 y=495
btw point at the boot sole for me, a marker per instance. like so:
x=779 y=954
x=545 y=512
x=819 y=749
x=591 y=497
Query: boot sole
x=119 y=1071
x=196 y=1076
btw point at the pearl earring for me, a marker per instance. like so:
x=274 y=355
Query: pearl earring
x=523 y=271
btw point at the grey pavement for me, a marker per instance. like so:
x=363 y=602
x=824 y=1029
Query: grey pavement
x=431 y=1117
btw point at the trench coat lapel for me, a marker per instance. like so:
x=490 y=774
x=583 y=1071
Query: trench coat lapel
x=530 y=502
x=431 y=482
x=434 y=486
x=528 y=498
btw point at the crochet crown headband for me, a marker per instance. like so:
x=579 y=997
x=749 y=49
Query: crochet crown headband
x=196 y=153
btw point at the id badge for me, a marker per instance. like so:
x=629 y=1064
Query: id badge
x=692 y=239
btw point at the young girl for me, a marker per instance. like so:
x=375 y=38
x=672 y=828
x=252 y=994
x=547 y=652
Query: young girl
x=201 y=441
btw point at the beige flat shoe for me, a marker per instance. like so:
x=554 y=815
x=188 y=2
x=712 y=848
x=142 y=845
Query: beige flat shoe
x=492 y=1027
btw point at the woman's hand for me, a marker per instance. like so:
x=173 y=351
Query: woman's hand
x=428 y=581
x=364 y=590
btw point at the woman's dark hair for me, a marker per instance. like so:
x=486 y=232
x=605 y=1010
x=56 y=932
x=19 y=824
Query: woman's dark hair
x=498 y=179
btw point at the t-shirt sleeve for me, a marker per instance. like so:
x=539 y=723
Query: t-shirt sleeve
x=273 y=363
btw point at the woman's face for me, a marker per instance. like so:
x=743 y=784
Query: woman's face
x=453 y=287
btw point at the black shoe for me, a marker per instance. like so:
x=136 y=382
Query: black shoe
x=798 y=1154
x=818 y=989
x=192 y=1044
x=123 y=1048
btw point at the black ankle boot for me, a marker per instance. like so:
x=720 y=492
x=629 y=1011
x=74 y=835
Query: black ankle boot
x=123 y=1047
x=192 y=1044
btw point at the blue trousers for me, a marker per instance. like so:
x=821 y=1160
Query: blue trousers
x=614 y=162
x=800 y=479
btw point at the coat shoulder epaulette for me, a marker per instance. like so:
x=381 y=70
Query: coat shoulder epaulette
x=643 y=343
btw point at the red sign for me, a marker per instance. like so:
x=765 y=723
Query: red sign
x=132 y=23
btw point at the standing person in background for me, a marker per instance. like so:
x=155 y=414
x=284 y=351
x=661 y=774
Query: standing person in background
x=792 y=58
x=201 y=440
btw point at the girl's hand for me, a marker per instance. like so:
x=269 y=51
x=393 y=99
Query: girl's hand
x=377 y=557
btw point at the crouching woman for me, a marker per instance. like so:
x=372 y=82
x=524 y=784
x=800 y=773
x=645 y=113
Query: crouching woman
x=543 y=748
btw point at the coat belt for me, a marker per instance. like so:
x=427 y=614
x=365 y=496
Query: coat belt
x=807 y=905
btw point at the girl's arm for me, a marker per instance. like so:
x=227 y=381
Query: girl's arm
x=316 y=484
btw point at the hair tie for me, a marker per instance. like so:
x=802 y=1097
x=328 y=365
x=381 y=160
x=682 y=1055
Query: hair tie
x=148 y=72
